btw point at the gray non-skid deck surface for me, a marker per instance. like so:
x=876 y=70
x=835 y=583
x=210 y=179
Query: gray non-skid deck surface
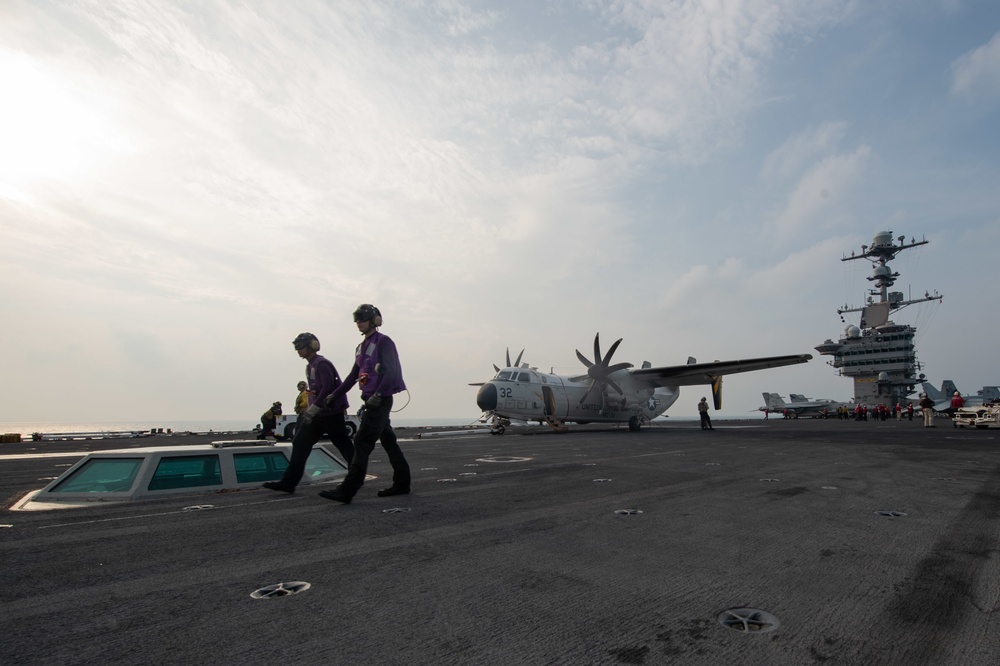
x=526 y=561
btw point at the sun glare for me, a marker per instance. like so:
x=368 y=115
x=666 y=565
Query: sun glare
x=50 y=128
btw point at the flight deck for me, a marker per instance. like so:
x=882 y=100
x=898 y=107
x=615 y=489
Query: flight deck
x=761 y=542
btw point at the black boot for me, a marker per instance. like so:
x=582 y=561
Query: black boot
x=337 y=495
x=280 y=486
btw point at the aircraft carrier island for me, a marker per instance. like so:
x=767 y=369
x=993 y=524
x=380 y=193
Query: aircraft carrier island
x=879 y=354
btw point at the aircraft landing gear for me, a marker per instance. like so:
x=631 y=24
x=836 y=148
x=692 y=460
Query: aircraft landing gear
x=633 y=424
x=499 y=426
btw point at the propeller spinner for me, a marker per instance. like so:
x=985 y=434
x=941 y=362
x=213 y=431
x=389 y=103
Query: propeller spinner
x=599 y=370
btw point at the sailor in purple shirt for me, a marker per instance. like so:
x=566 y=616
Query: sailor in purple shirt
x=319 y=418
x=376 y=369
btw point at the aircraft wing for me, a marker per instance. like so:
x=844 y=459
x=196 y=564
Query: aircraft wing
x=706 y=373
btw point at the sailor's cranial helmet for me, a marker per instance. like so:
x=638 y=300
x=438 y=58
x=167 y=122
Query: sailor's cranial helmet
x=306 y=340
x=368 y=312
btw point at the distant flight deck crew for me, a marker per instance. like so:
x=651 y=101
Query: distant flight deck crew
x=957 y=402
x=927 y=405
x=319 y=418
x=269 y=420
x=706 y=420
x=302 y=400
x=377 y=370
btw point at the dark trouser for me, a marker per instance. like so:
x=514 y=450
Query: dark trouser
x=307 y=433
x=706 y=422
x=375 y=426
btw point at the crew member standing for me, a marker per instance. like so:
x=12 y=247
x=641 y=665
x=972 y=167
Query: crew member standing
x=957 y=402
x=302 y=399
x=319 y=418
x=927 y=405
x=706 y=421
x=376 y=369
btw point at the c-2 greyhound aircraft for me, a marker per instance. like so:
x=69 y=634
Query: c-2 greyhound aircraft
x=607 y=393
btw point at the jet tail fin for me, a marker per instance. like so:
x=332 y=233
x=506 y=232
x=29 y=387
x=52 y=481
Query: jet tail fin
x=948 y=389
x=931 y=392
x=773 y=402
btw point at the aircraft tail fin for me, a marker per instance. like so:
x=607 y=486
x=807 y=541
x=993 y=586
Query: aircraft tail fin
x=931 y=392
x=991 y=394
x=717 y=391
x=948 y=389
x=773 y=402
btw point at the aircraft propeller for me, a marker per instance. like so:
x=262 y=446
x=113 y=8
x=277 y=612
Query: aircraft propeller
x=517 y=363
x=599 y=370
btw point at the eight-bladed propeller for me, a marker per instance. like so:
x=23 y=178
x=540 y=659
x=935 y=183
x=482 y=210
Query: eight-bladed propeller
x=517 y=363
x=599 y=371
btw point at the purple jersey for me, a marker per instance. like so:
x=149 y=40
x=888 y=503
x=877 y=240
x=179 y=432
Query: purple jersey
x=323 y=379
x=376 y=368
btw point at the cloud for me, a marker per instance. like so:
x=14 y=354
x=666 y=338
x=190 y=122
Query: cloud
x=976 y=74
x=791 y=158
x=489 y=174
x=820 y=191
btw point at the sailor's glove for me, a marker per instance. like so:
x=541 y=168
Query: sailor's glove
x=310 y=413
x=374 y=401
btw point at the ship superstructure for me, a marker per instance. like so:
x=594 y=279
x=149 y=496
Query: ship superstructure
x=879 y=354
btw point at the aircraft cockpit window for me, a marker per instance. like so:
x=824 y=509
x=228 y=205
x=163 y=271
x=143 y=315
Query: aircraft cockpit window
x=503 y=374
x=524 y=377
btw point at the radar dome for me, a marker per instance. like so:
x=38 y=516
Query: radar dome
x=881 y=271
x=883 y=376
x=852 y=331
x=882 y=238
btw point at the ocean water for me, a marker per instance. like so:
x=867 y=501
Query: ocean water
x=25 y=428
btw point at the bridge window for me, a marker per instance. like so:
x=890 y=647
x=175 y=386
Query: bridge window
x=109 y=475
x=186 y=472
x=258 y=467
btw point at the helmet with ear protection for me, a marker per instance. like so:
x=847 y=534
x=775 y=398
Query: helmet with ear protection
x=368 y=312
x=306 y=340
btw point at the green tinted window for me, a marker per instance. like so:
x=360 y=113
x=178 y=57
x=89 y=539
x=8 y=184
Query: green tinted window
x=186 y=472
x=258 y=467
x=108 y=475
x=320 y=463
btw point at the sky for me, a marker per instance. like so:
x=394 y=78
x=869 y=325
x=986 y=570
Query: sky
x=185 y=187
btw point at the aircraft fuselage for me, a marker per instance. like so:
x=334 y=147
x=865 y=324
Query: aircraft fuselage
x=526 y=394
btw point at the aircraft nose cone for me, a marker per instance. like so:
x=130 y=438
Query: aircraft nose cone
x=487 y=397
